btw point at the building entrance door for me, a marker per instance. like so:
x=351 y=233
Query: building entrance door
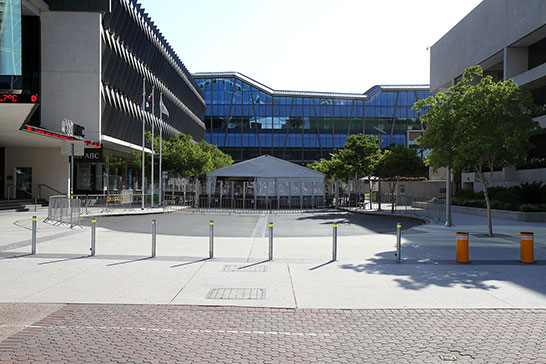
x=23 y=182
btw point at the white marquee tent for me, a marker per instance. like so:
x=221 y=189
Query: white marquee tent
x=271 y=177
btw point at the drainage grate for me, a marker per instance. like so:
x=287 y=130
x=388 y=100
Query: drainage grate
x=236 y=294
x=244 y=268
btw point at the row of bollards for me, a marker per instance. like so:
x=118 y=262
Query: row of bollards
x=154 y=238
x=526 y=247
x=462 y=242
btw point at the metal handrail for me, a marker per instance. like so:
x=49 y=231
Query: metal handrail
x=40 y=185
x=16 y=188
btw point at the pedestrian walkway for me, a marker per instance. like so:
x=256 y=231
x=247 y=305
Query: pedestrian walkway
x=180 y=334
x=301 y=275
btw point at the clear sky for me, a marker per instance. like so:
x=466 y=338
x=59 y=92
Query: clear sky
x=309 y=45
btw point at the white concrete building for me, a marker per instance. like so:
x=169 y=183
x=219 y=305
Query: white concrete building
x=507 y=39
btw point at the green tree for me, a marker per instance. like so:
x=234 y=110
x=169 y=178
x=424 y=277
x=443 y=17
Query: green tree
x=477 y=125
x=397 y=162
x=330 y=167
x=219 y=159
x=360 y=155
x=182 y=156
x=357 y=159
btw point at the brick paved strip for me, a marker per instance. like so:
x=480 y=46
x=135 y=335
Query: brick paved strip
x=163 y=334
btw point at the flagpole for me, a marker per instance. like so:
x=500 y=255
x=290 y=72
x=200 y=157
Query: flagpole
x=152 y=171
x=160 y=150
x=143 y=137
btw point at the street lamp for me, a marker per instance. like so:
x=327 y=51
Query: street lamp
x=381 y=131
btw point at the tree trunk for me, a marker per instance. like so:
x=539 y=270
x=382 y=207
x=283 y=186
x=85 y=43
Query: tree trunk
x=392 y=186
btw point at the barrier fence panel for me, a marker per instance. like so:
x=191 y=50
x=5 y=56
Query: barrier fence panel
x=63 y=210
x=236 y=195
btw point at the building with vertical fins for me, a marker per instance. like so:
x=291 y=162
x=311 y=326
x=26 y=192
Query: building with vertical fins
x=246 y=118
x=85 y=61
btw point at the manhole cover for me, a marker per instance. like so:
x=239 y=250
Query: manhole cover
x=236 y=294
x=244 y=268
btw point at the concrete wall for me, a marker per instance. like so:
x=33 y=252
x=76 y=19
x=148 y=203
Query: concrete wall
x=48 y=167
x=418 y=189
x=71 y=70
x=507 y=178
x=483 y=33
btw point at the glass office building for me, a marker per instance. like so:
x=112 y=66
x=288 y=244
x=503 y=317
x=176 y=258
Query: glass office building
x=246 y=118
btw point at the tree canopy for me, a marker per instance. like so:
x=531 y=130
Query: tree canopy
x=182 y=156
x=357 y=159
x=397 y=162
x=477 y=125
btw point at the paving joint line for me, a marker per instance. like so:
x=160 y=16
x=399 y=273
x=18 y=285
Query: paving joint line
x=188 y=282
x=175 y=330
x=292 y=285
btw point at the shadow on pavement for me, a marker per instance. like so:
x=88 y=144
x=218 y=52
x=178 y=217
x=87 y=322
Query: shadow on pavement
x=188 y=263
x=375 y=223
x=419 y=274
x=253 y=264
x=322 y=265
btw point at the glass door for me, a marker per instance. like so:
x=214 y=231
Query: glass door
x=23 y=182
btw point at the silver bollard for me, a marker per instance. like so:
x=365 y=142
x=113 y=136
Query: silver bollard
x=93 y=235
x=334 y=243
x=154 y=232
x=398 y=242
x=33 y=235
x=211 y=239
x=270 y=241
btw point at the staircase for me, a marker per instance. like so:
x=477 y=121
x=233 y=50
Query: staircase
x=20 y=205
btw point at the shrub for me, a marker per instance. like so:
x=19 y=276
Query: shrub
x=471 y=202
x=503 y=194
x=499 y=205
x=531 y=193
x=469 y=194
x=529 y=208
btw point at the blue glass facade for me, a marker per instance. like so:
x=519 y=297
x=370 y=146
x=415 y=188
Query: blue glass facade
x=10 y=44
x=246 y=119
x=10 y=37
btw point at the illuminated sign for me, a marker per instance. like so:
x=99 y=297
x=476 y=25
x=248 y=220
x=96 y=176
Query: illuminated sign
x=53 y=134
x=18 y=99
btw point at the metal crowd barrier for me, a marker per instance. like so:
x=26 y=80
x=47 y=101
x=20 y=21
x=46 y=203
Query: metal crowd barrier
x=63 y=210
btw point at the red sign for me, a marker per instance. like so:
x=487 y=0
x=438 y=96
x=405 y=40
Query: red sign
x=53 y=134
x=18 y=99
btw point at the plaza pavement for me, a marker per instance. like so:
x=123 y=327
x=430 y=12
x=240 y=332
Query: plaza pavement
x=302 y=275
x=62 y=306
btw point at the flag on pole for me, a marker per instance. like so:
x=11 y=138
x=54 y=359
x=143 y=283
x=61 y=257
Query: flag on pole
x=143 y=102
x=149 y=101
x=162 y=106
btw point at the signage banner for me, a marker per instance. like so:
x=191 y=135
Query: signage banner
x=90 y=155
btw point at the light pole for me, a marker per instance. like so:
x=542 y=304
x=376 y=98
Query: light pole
x=381 y=131
x=448 y=198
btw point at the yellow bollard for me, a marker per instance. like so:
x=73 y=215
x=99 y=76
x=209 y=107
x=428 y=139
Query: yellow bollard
x=527 y=247
x=462 y=247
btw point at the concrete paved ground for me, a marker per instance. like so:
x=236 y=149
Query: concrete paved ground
x=300 y=276
x=301 y=307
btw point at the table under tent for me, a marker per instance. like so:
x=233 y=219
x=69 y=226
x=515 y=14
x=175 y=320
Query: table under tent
x=264 y=182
